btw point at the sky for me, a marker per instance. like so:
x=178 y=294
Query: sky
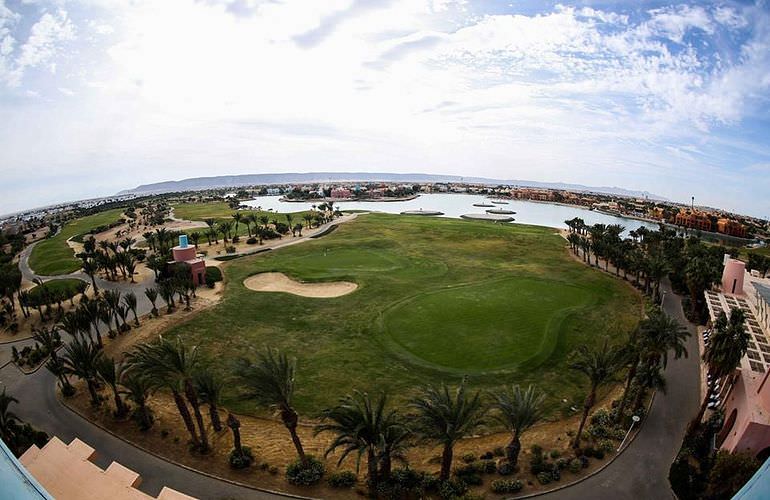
x=670 y=97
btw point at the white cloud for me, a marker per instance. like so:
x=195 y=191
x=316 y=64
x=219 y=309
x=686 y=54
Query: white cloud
x=186 y=87
x=42 y=46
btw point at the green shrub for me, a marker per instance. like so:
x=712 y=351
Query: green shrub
x=343 y=479
x=241 y=461
x=562 y=463
x=504 y=468
x=486 y=466
x=507 y=486
x=300 y=474
x=473 y=479
x=555 y=454
x=555 y=473
x=452 y=488
x=606 y=446
x=468 y=458
x=575 y=465
x=251 y=241
x=213 y=274
x=544 y=477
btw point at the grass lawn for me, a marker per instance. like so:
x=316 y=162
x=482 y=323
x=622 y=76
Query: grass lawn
x=221 y=211
x=437 y=299
x=70 y=288
x=53 y=256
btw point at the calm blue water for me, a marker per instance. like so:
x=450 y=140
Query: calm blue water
x=455 y=205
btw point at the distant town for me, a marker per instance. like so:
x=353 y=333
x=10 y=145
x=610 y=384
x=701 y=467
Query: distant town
x=37 y=222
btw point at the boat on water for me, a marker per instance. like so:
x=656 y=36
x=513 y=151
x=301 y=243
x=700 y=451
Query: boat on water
x=483 y=205
x=499 y=202
x=500 y=211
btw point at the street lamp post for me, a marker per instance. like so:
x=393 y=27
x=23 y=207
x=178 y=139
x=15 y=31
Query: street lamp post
x=662 y=298
x=634 y=420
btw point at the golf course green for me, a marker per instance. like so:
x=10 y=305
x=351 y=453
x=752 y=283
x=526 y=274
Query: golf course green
x=437 y=300
x=53 y=256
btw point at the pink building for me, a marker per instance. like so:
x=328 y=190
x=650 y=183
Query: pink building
x=341 y=192
x=732 y=276
x=185 y=253
x=745 y=394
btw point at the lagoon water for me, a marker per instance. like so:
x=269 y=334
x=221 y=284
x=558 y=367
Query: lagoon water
x=455 y=205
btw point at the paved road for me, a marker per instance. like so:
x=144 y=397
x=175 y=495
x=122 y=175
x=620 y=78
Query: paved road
x=45 y=412
x=641 y=472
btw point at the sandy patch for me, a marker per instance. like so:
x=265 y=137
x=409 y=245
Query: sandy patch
x=279 y=282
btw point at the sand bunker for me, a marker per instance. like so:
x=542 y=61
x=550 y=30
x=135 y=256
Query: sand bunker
x=279 y=282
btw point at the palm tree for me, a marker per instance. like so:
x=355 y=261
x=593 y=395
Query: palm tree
x=90 y=267
x=209 y=389
x=129 y=299
x=446 y=418
x=365 y=427
x=660 y=334
x=270 y=381
x=648 y=377
x=729 y=343
x=517 y=410
x=81 y=358
x=289 y=220
x=237 y=217
x=56 y=367
x=8 y=419
x=112 y=299
x=308 y=219
x=599 y=366
x=195 y=237
x=48 y=338
x=110 y=373
x=92 y=309
x=152 y=296
x=234 y=424
x=137 y=388
x=224 y=228
x=173 y=364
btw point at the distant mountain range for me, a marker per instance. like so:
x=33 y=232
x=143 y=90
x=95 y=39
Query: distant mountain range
x=234 y=181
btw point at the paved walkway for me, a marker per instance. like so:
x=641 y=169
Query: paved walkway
x=641 y=471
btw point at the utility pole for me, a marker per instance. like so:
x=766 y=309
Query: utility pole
x=693 y=203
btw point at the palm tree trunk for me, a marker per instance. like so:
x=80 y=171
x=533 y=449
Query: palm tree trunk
x=586 y=407
x=186 y=417
x=512 y=449
x=624 y=398
x=192 y=397
x=371 y=464
x=92 y=392
x=290 y=419
x=446 y=461
x=216 y=423
x=120 y=408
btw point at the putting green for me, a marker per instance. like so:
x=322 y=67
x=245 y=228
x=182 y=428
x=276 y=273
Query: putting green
x=484 y=327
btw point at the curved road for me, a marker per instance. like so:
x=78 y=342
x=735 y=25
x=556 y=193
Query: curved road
x=640 y=472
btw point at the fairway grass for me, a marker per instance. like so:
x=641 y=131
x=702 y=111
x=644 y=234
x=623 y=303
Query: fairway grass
x=53 y=256
x=437 y=299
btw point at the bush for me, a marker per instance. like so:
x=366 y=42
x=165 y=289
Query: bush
x=213 y=274
x=452 y=488
x=606 y=446
x=562 y=463
x=544 y=477
x=486 y=466
x=537 y=463
x=300 y=474
x=589 y=451
x=468 y=458
x=507 y=486
x=251 y=241
x=238 y=461
x=555 y=473
x=599 y=454
x=406 y=483
x=504 y=468
x=575 y=465
x=343 y=479
x=229 y=249
x=236 y=239
x=487 y=456
x=473 y=479
x=601 y=417
x=555 y=454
